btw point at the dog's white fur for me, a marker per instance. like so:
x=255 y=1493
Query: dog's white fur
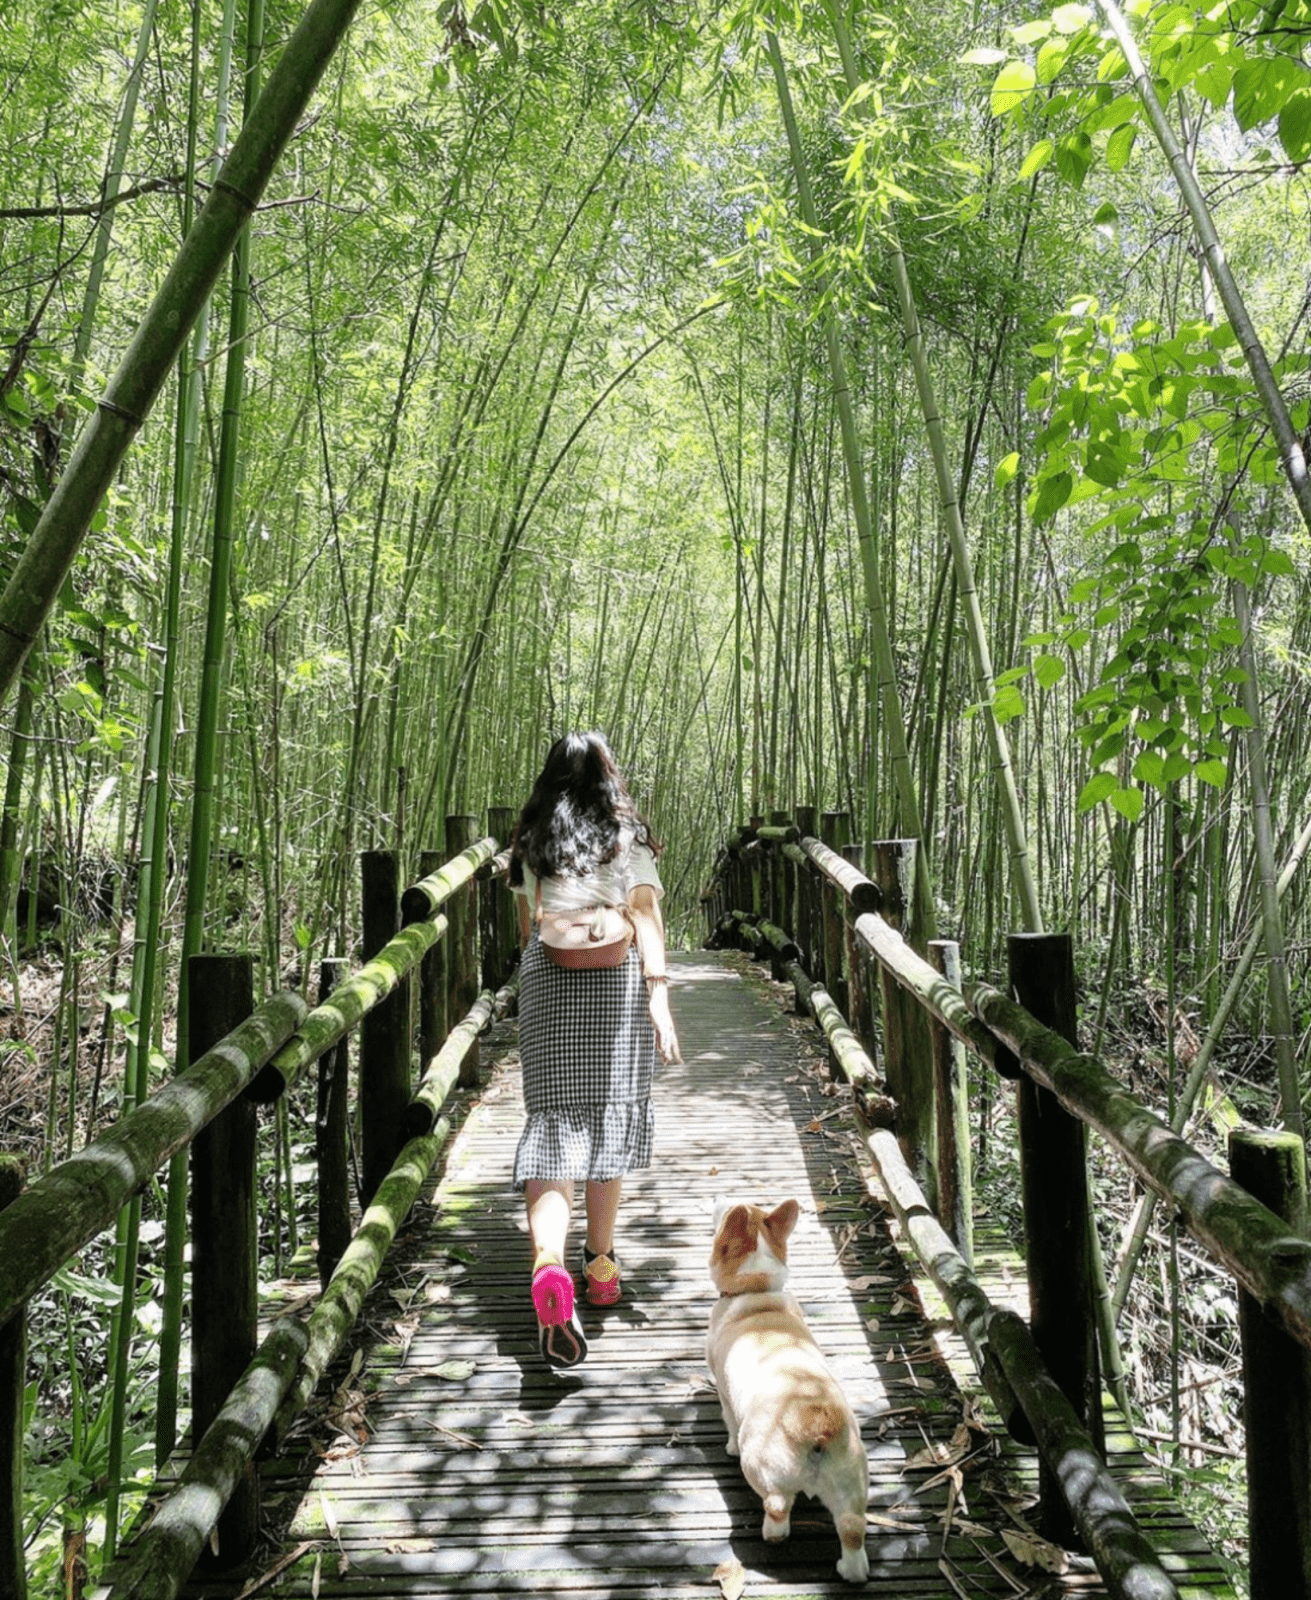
x=786 y=1416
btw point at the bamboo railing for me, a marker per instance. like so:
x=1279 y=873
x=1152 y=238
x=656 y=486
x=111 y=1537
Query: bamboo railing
x=245 y=1393
x=840 y=937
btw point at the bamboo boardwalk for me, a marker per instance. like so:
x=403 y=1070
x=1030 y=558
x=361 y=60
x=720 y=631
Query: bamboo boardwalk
x=451 y=1462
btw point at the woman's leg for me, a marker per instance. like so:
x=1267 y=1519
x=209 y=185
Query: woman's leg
x=550 y=1202
x=560 y=1334
x=602 y=1207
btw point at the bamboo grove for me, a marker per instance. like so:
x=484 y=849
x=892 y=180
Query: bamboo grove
x=896 y=412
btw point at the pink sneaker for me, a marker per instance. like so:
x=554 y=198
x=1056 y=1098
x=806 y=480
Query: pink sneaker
x=560 y=1336
x=602 y=1278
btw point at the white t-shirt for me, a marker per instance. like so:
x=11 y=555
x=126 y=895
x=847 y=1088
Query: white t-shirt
x=606 y=885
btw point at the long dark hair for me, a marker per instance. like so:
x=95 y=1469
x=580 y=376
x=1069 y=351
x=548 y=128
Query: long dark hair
x=576 y=813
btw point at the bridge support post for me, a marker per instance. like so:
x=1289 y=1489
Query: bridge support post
x=384 y=1032
x=462 y=913
x=951 y=1095
x=434 y=1024
x=909 y=1052
x=1276 y=1386
x=1054 y=1181
x=807 y=911
x=331 y=1141
x=13 y=1375
x=224 y=1239
x=860 y=1016
x=500 y=932
x=836 y=834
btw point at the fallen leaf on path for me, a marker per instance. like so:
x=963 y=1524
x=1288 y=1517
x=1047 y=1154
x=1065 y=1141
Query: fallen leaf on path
x=455 y=1371
x=1032 y=1551
x=731 y=1576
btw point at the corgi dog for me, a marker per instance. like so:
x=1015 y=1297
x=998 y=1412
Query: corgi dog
x=787 y=1419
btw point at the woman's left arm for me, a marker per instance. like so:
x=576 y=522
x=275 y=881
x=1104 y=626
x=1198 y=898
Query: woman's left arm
x=649 y=928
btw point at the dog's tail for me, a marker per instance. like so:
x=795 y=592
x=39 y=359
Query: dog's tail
x=815 y=1424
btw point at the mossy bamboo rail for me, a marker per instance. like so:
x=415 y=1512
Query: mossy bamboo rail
x=43 y=1226
x=749 y=904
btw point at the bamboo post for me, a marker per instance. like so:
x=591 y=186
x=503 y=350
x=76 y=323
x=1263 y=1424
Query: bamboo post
x=1053 y=1176
x=13 y=1374
x=778 y=910
x=951 y=1093
x=861 y=1012
x=384 y=1067
x=836 y=833
x=224 y=1239
x=433 y=981
x=499 y=944
x=1276 y=1386
x=807 y=914
x=331 y=1137
x=461 y=832
x=909 y=1068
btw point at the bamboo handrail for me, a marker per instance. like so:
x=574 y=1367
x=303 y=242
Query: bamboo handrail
x=79 y=1198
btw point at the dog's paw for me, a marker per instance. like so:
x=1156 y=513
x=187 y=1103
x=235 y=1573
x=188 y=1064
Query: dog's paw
x=854 y=1565
x=731 y=1447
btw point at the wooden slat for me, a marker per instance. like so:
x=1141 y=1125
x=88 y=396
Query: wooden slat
x=612 y=1479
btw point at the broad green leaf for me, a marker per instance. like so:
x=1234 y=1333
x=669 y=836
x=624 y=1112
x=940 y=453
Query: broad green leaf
x=1235 y=717
x=1106 y=215
x=1213 y=772
x=1052 y=494
x=1071 y=18
x=1119 y=147
x=984 y=56
x=1051 y=58
x=1049 y=670
x=1074 y=155
x=1129 y=803
x=1278 y=563
x=1038 y=158
x=1031 y=32
x=1007 y=467
x=1007 y=703
x=1150 y=767
x=1098 y=788
x=1012 y=87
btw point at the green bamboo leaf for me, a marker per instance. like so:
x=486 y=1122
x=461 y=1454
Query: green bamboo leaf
x=1012 y=87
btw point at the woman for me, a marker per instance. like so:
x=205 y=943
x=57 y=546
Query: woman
x=587 y=1038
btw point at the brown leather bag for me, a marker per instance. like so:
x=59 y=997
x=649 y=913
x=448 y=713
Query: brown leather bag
x=598 y=936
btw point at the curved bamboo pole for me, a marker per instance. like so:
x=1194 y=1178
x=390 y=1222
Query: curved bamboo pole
x=163 y=331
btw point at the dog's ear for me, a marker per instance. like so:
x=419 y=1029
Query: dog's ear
x=722 y=1203
x=782 y=1219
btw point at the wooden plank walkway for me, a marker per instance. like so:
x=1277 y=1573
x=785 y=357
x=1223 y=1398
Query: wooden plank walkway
x=452 y=1462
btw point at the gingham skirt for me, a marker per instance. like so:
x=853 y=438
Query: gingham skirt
x=587 y=1050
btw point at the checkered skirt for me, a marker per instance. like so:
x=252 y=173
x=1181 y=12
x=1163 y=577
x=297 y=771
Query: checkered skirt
x=587 y=1050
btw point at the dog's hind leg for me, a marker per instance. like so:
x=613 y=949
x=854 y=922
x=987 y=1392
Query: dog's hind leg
x=778 y=1516
x=854 y=1565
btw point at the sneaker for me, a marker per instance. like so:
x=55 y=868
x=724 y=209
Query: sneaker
x=601 y=1278
x=560 y=1336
